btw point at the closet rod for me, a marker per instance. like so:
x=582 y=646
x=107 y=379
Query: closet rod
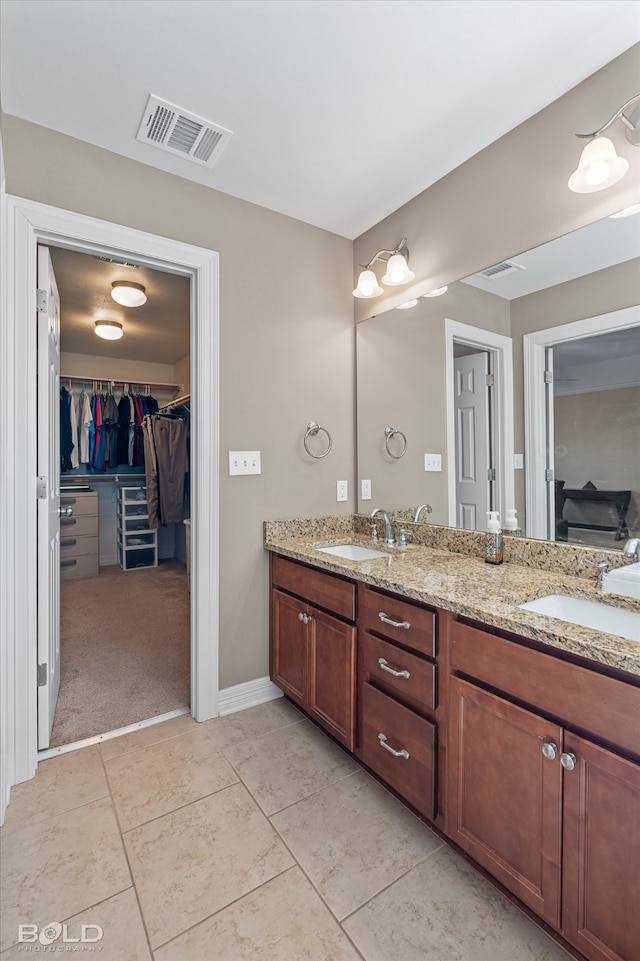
x=76 y=378
x=178 y=402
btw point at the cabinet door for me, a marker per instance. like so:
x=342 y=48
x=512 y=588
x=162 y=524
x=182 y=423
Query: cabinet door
x=601 y=880
x=289 y=641
x=332 y=675
x=504 y=798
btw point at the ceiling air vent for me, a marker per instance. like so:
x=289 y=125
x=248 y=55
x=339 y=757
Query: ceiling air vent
x=182 y=133
x=500 y=270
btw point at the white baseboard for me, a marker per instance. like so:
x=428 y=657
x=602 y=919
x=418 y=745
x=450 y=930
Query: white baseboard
x=241 y=696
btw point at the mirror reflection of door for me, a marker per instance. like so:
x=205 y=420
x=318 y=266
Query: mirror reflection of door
x=595 y=442
x=473 y=441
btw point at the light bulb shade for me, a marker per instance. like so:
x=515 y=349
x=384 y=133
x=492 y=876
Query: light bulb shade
x=109 y=329
x=398 y=272
x=438 y=292
x=599 y=167
x=368 y=285
x=128 y=294
x=407 y=306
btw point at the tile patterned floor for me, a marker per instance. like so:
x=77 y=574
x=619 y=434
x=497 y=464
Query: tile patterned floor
x=248 y=838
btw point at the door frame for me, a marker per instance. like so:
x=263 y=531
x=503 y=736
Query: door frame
x=500 y=348
x=27 y=224
x=535 y=414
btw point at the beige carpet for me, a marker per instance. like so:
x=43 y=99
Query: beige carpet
x=125 y=649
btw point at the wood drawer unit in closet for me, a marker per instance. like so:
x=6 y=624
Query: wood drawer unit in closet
x=79 y=545
x=398 y=695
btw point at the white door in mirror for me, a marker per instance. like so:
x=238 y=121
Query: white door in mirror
x=624 y=581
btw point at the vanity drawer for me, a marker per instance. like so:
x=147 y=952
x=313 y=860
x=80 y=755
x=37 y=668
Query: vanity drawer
x=323 y=590
x=400 y=621
x=380 y=659
x=385 y=722
x=79 y=526
x=84 y=566
x=85 y=502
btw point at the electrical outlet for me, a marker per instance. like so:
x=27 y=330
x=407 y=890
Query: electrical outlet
x=365 y=490
x=518 y=461
x=342 y=490
x=433 y=462
x=244 y=462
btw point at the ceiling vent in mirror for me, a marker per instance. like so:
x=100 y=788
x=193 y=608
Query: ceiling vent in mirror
x=500 y=270
x=182 y=133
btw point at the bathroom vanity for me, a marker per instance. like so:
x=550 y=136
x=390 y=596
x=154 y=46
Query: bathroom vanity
x=515 y=735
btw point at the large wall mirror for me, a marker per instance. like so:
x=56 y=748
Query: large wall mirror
x=444 y=416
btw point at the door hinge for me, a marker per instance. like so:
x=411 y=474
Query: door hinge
x=548 y=474
x=548 y=376
x=490 y=380
x=42 y=675
x=41 y=488
x=491 y=474
x=42 y=300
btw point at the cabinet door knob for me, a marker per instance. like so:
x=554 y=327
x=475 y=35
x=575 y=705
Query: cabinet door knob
x=301 y=617
x=550 y=750
x=382 y=738
x=384 y=664
x=568 y=761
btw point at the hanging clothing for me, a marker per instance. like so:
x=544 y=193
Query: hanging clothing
x=165 y=442
x=66 y=437
x=84 y=420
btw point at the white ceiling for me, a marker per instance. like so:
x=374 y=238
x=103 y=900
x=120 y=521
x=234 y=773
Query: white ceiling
x=341 y=110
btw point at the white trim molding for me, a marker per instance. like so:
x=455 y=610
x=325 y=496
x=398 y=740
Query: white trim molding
x=28 y=224
x=250 y=694
x=535 y=406
x=501 y=349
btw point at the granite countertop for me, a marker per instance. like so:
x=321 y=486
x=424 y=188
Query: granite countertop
x=465 y=585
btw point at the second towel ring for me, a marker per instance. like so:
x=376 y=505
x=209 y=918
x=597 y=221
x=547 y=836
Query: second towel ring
x=389 y=433
x=312 y=430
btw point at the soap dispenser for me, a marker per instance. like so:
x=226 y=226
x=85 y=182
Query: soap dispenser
x=511 y=523
x=493 y=539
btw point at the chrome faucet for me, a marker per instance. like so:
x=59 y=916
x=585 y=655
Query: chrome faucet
x=389 y=537
x=423 y=507
x=632 y=548
x=602 y=569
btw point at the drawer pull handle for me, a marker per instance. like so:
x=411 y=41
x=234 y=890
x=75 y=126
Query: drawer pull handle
x=387 y=620
x=67 y=500
x=382 y=738
x=68 y=541
x=384 y=664
x=69 y=562
x=68 y=521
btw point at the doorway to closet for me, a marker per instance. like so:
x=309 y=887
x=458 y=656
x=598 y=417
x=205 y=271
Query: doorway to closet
x=125 y=411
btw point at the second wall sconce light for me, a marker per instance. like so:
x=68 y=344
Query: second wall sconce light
x=396 y=274
x=600 y=166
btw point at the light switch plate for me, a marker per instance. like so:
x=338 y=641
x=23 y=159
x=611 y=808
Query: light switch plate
x=518 y=462
x=244 y=462
x=433 y=462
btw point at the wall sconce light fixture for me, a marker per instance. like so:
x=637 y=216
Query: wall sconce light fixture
x=397 y=272
x=108 y=329
x=128 y=294
x=600 y=166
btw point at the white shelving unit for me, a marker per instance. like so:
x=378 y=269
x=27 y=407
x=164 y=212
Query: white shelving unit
x=137 y=542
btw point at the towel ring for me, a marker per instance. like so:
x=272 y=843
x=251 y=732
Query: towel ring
x=312 y=430
x=390 y=432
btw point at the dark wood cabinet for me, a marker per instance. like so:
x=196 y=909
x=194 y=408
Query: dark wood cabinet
x=313 y=652
x=549 y=812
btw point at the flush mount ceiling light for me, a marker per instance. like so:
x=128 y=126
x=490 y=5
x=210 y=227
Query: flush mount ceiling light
x=600 y=166
x=397 y=272
x=109 y=329
x=128 y=294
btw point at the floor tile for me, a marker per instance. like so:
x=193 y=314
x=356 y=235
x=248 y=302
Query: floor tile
x=56 y=868
x=60 y=784
x=164 y=776
x=111 y=930
x=136 y=740
x=353 y=839
x=258 y=720
x=289 y=764
x=443 y=910
x=195 y=861
x=283 y=920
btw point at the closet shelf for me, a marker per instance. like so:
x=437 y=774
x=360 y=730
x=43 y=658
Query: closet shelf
x=107 y=381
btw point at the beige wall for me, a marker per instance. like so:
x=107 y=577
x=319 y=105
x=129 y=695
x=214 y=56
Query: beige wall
x=286 y=348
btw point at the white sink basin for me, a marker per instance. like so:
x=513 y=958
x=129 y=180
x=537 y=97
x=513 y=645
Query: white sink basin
x=352 y=552
x=576 y=610
x=624 y=580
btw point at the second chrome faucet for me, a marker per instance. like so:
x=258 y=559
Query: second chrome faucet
x=389 y=535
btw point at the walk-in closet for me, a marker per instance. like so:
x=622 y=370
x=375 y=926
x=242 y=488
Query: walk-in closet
x=125 y=453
